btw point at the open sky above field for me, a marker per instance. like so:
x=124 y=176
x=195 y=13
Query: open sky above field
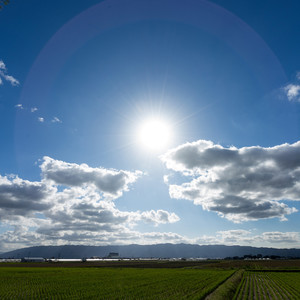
x=150 y=121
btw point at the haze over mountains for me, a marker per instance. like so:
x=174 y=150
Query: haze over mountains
x=148 y=251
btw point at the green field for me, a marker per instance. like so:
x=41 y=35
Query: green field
x=269 y=285
x=209 y=280
x=108 y=283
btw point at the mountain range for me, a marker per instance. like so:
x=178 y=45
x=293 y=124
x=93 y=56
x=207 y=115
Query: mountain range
x=149 y=251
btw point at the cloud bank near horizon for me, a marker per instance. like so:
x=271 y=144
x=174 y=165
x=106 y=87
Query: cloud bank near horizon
x=240 y=184
x=73 y=203
x=246 y=237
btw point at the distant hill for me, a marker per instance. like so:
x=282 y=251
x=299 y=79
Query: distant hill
x=147 y=251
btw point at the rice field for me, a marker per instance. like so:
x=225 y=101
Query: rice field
x=269 y=285
x=215 y=280
x=108 y=283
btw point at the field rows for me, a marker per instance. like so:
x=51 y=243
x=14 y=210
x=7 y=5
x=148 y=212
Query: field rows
x=145 y=283
x=105 y=283
x=269 y=285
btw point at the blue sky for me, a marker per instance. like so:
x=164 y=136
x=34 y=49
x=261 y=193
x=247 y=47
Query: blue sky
x=79 y=82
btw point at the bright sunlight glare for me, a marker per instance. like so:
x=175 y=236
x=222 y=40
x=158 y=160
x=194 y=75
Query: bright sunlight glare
x=154 y=134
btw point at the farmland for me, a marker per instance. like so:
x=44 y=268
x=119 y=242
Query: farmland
x=269 y=285
x=108 y=283
x=215 y=279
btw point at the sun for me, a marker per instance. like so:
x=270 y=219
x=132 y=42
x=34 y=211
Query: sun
x=154 y=134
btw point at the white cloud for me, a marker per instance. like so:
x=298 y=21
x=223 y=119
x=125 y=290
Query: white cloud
x=19 y=106
x=20 y=197
x=110 y=182
x=11 y=79
x=2 y=65
x=246 y=238
x=162 y=237
x=33 y=109
x=166 y=179
x=280 y=237
x=3 y=73
x=239 y=184
x=76 y=202
x=56 y=120
x=159 y=217
x=293 y=92
x=81 y=211
x=22 y=236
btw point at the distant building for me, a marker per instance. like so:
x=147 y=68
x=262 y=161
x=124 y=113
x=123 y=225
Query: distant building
x=10 y=260
x=32 y=259
x=113 y=255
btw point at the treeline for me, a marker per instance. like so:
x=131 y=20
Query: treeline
x=260 y=257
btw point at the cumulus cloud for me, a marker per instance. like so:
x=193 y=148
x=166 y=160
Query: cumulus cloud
x=3 y=75
x=71 y=204
x=18 y=237
x=40 y=119
x=110 y=182
x=245 y=237
x=159 y=216
x=242 y=184
x=20 y=197
x=21 y=235
x=280 y=237
x=80 y=211
x=162 y=237
x=33 y=109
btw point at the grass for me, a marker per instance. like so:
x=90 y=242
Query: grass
x=227 y=289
